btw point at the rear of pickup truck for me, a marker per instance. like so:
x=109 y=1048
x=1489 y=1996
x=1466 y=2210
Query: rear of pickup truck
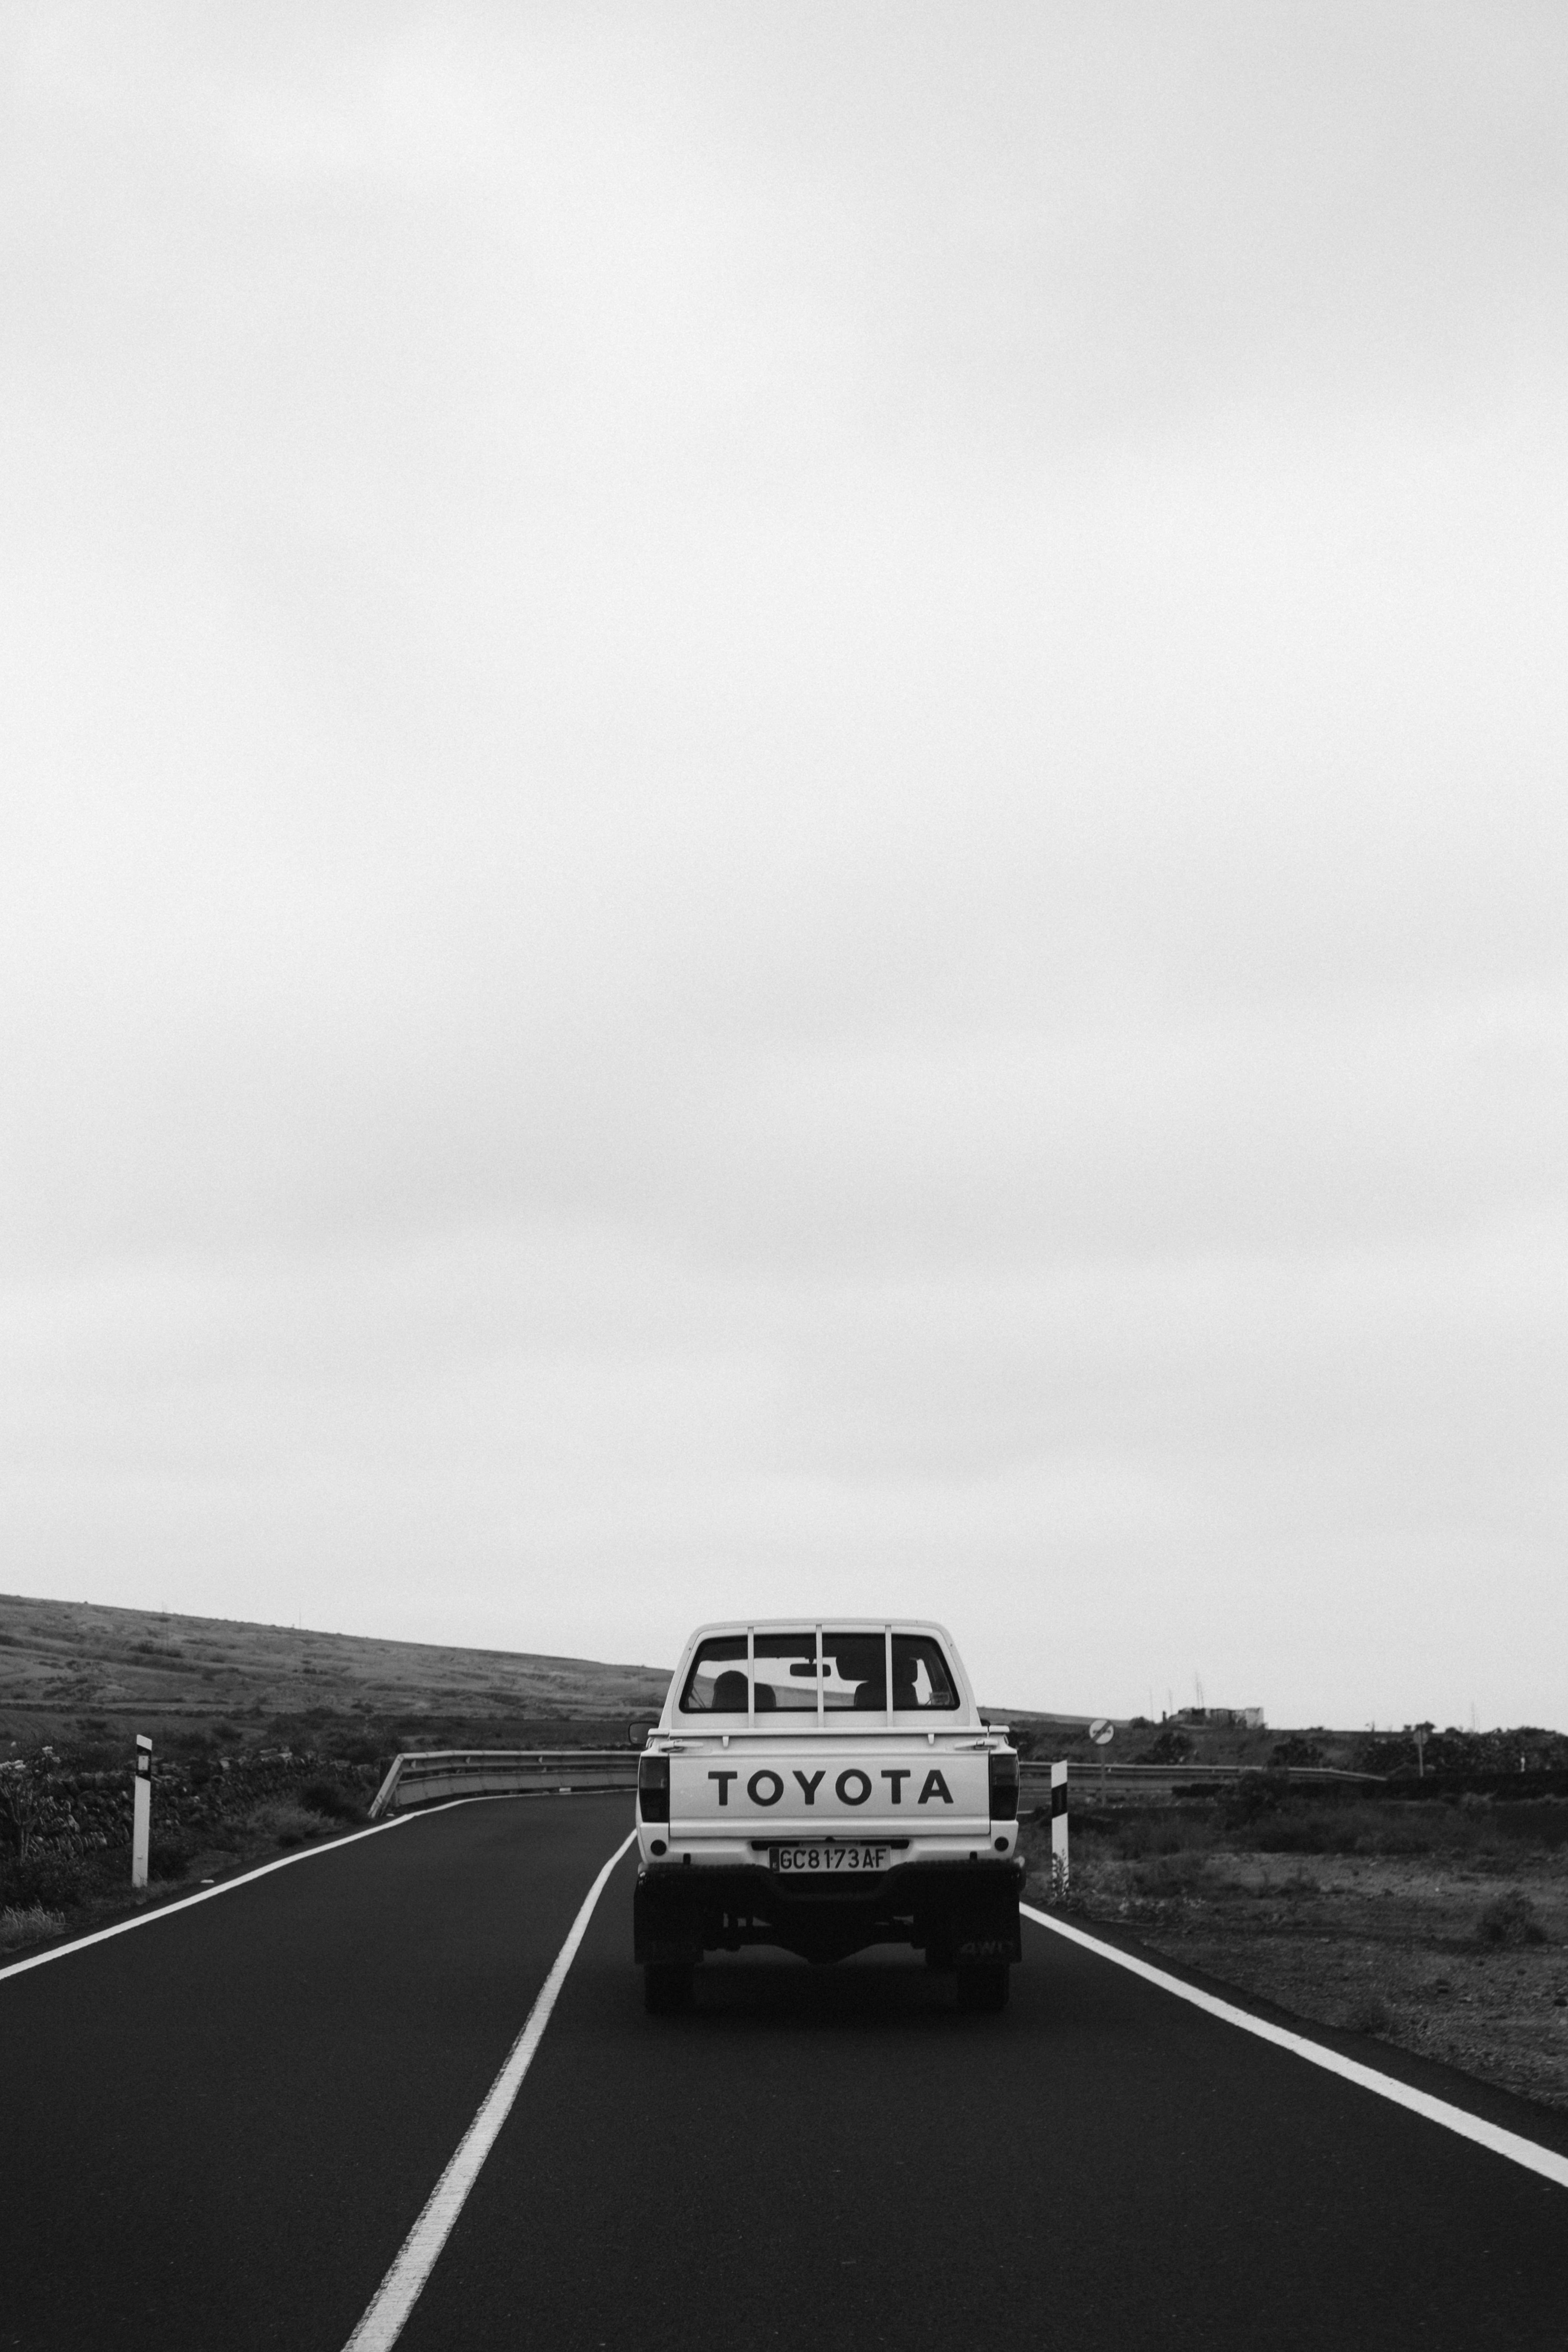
x=822 y=1788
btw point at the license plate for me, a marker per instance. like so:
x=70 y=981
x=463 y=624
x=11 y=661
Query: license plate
x=824 y=1859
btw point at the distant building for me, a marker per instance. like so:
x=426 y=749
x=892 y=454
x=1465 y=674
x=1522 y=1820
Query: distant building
x=1224 y=1719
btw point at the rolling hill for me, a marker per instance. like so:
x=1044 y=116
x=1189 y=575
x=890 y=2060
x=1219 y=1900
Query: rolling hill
x=83 y=1669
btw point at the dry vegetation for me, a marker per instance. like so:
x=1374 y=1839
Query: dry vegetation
x=65 y=1829
x=28 y=1923
x=1441 y=1927
x=267 y=1738
x=79 y=1672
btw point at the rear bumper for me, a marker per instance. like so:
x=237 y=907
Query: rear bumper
x=955 y=1911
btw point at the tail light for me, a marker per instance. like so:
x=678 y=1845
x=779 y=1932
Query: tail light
x=1004 y=1788
x=653 y=1787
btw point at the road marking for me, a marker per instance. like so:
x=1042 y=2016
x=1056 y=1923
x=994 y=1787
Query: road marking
x=1518 y=2149
x=388 y=2312
x=243 y=1877
x=166 y=1910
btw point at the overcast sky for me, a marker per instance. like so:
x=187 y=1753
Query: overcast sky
x=785 y=822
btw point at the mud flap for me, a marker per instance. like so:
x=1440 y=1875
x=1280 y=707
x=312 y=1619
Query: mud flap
x=985 y=1943
x=992 y=1933
x=667 y=1931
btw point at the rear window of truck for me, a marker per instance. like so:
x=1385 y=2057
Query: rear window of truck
x=853 y=1674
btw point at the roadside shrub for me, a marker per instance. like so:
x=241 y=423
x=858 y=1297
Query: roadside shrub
x=286 y=1825
x=56 y=1882
x=1311 y=1826
x=1543 y=1821
x=1170 y=1747
x=1370 y=2014
x=1254 y=1794
x=358 y=1746
x=1169 y=1875
x=170 y=1855
x=28 y=1924
x=1095 y=1885
x=1511 y=1919
x=1277 y=1827
x=1139 y=1835
x=331 y=1798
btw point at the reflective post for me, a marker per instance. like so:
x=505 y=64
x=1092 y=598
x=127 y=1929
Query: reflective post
x=1059 y=1833
x=142 y=1811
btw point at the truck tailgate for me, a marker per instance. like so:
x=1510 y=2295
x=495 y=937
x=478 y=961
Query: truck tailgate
x=746 y=1793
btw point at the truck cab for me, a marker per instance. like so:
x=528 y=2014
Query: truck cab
x=823 y=1786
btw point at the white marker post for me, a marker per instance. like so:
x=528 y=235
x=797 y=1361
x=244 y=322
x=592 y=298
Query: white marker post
x=1059 y=1833
x=142 y=1811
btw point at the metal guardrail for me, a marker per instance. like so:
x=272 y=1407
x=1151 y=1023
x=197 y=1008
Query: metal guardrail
x=429 y=1776
x=1167 y=1776
x=432 y=1776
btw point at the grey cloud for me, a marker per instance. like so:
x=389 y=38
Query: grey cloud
x=785 y=813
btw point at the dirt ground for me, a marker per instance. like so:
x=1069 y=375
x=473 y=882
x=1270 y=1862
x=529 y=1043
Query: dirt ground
x=1461 y=1956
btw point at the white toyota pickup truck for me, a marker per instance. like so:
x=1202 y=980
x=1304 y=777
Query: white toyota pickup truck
x=825 y=1787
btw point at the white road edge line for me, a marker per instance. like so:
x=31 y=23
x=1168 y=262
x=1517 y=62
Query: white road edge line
x=1512 y=2145
x=243 y=1877
x=207 y=1893
x=388 y=2312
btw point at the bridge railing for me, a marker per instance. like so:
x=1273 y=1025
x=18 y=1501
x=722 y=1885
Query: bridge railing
x=429 y=1776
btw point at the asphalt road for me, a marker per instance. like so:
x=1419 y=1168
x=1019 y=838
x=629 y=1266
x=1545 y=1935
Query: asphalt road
x=218 y=2130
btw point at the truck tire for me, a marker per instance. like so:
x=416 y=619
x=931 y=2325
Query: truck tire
x=666 y=1988
x=985 y=1985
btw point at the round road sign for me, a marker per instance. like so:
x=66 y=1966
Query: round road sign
x=1103 y=1731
